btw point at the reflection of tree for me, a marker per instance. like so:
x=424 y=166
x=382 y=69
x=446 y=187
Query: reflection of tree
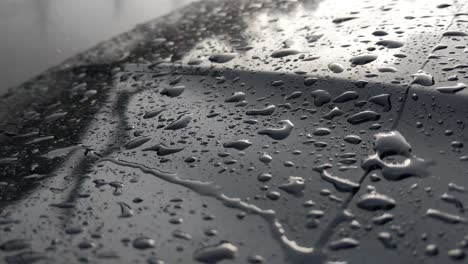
x=226 y=20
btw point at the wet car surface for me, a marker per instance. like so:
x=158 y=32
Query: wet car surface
x=247 y=132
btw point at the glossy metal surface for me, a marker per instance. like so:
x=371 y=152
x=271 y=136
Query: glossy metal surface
x=39 y=34
x=248 y=131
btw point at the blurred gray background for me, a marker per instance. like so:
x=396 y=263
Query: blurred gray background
x=38 y=34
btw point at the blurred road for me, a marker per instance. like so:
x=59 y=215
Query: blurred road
x=38 y=34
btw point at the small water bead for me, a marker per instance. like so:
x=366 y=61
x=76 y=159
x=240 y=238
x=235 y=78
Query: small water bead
x=333 y=113
x=273 y=195
x=454 y=34
x=456 y=254
x=363 y=59
x=364 y=116
x=335 y=67
x=375 y=201
x=236 y=97
x=163 y=150
x=321 y=131
x=293 y=95
x=264 y=177
x=431 y=250
x=387 y=69
x=452 y=89
x=382 y=100
x=125 y=210
x=279 y=133
x=296 y=185
x=222 y=57
x=15 y=244
x=344 y=243
x=143 y=243
x=268 y=110
x=137 y=142
x=387 y=240
x=173 y=91
x=310 y=81
x=346 y=96
x=445 y=217
x=390 y=44
x=86 y=245
x=217 y=253
x=379 y=33
x=352 y=139
x=256 y=259
x=383 y=219
x=340 y=20
x=240 y=144
x=284 y=52
x=153 y=113
x=265 y=158
x=321 y=97
x=180 y=123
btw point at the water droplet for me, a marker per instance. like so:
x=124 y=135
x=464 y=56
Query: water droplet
x=236 y=97
x=125 y=210
x=296 y=185
x=364 y=116
x=163 y=150
x=363 y=59
x=333 y=113
x=375 y=201
x=240 y=144
x=431 y=250
x=153 y=113
x=173 y=91
x=382 y=100
x=265 y=158
x=342 y=185
x=137 y=142
x=279 y=133
x=352 y=139
x=393 y=143
x=180 y=123
x=340 y=20
x=321 y=97
x=346 y=96
x=15 y=244
x=456 y=254
x=390 y=44
x=214 y=254
x=222 y=57
x=344 y=243
x=454 y=34
x=284 y=52
x=445 y=217
x=143 y=243
x=422 y=78
x=452 y=89
x=264 y=111
x=387 y=240
x=264 y=177
x=379 y=33
x=293 y=95
x=335 y=67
